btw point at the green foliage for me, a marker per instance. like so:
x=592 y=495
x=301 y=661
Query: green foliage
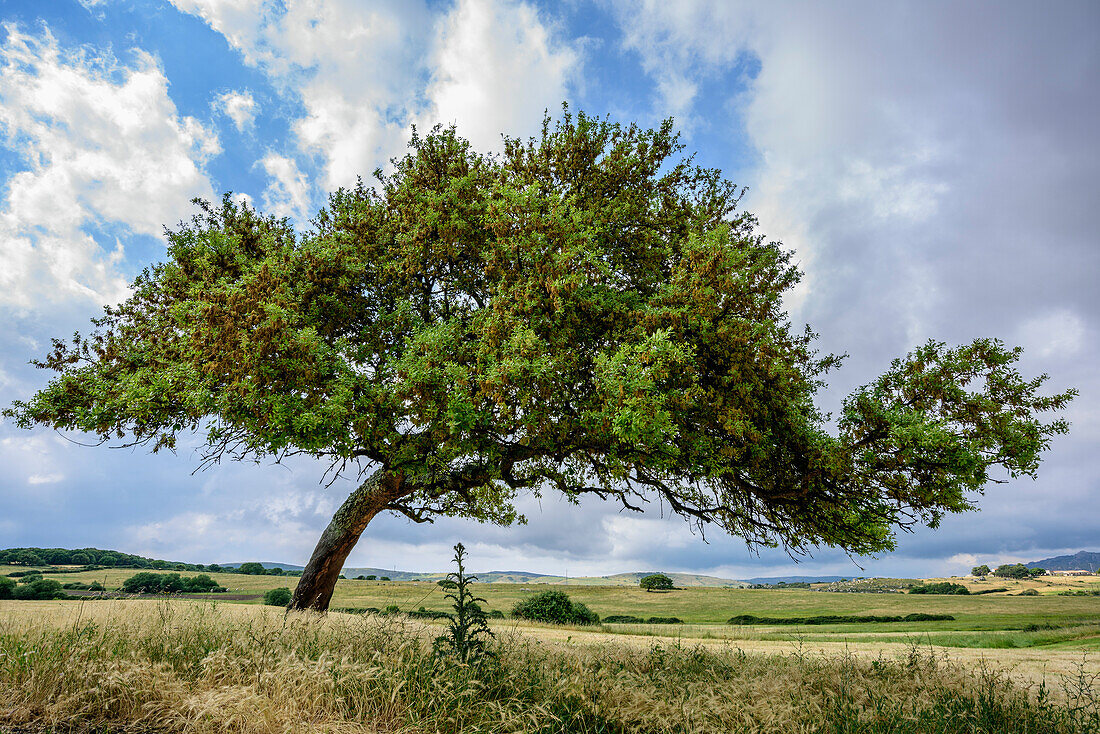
x=1029 y=592
x=840 y=619
x=371 y=577
x=468 y=634
x=85 y=557
x=6 y=587
x=277 y=597
x=39 y=589
x=940 y=587
x=656 y=582
x=982 y=570
x=252 y=568
x=384 y=578
x=554 y=607
x=1012 y=571
x=587 y=311
x=148 y=582
x=623 y=619
x=1037 y=571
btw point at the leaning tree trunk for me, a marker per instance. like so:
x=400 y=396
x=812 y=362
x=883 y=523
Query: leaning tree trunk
x=314 y=590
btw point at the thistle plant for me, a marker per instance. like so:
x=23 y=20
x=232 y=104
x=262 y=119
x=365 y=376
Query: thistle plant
x=468 y=635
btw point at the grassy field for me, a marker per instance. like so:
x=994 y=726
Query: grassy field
x=713 y=606
x=194 y=666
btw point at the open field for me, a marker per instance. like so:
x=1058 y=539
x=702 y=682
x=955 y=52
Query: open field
x=176 y=665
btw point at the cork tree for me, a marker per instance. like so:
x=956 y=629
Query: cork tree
x=587 y=312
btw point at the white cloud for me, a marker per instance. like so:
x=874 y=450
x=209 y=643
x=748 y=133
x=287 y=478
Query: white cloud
x=359 y=70
x=496 y=68
x=103 y=143
x=45 y=478
x=287 y=192
x=240 y=107
x=355 y=66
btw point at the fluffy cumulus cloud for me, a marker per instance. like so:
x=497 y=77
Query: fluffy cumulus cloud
x=496 y=68
x=240 y=107
x=359 y=71
x=94 y=136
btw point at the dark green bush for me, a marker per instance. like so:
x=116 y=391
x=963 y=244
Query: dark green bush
x=6 y=587
x=1029 y=592
x=277 y=597
x=423 y=613
x=941 y=587
x=553 y=607
x=839 y=619
x=40 y=589
x=252 y=568
x=623 y=619
x=664 y=620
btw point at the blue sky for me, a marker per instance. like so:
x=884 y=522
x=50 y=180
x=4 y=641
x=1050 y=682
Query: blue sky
x=932 y=165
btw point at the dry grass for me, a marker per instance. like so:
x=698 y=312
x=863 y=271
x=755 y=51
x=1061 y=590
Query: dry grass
x=195 y=667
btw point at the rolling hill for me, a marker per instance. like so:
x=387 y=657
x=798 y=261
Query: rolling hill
x=1086 y=560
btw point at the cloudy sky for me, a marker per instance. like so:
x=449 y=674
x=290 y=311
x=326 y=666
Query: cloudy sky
x=934 y=165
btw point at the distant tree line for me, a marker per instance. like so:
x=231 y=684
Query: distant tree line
x=96 y=558
x=89 y=557
x=170 y=583
x=1008 y=571
x=253 y=568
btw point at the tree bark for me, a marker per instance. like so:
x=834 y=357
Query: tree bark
x=314 y=590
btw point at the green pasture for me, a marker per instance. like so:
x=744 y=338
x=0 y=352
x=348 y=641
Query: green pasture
x=992 y=621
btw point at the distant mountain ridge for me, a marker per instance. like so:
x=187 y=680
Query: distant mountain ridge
x=522 y=577
x=1081 y=560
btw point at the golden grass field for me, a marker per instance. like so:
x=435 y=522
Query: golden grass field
x=197 y=666
x=1047 y=643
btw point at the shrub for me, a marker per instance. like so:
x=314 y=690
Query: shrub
x=553 y=607
x=383 y=578
x=941 y=587
x=6 y=587
x=656 y=582
x=664 y=620
x=277 y=597
x=982 y=570
x=371 y=577
x=583 y=615
x=839 y=619
x=1029 y=592
x=360 y=577
x=1037 y=571
x=40 y=589
x=623 y=619
x=252 y=568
